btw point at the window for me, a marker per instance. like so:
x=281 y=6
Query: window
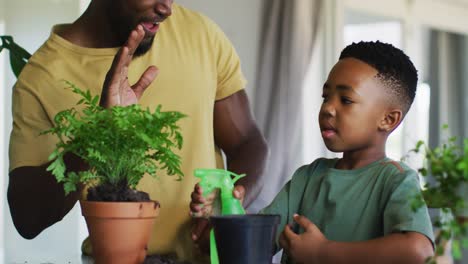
x=364 y=27
x=405 y=24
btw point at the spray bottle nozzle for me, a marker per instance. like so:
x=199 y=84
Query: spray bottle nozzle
x=224 y=180
x=217 y=178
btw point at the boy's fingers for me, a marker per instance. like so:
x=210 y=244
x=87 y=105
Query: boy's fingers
x=283 y=241
x=288 y=233
x=304 y=222
x=199 y=227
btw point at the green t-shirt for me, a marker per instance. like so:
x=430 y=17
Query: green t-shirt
x=353 y=205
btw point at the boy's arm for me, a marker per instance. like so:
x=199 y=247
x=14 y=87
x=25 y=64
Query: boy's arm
x=410 y=247
x=313 y=247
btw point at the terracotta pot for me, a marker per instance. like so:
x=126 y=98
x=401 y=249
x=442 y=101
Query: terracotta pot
x=119 y=231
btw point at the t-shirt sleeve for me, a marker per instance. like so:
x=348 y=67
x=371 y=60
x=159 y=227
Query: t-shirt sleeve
x=398 y=213
x=27 y=146
x=280 y=206
x=288 y=200
x=230 y=78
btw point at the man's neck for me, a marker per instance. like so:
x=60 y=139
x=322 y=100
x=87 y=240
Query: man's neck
x=90 y=30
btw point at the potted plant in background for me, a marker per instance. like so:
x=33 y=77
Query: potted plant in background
x=18 y=56
x=120 y=145
x=445 y=168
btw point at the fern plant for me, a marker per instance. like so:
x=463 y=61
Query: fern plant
x=120 y=144
x=447 y=165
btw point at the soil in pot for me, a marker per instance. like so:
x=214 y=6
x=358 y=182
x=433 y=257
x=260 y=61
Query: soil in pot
x=116 y=193
x=246 y=239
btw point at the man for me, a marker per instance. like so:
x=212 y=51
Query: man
x=198 y=73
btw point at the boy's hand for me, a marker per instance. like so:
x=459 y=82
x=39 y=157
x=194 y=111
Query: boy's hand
x=306 y=247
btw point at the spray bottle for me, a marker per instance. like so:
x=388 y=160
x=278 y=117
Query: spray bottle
x=218 y=178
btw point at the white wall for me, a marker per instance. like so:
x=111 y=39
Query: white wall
x=30 y=22
x=240 y=20
x=2 y=138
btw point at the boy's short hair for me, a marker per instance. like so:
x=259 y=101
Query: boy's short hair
x=395 y=68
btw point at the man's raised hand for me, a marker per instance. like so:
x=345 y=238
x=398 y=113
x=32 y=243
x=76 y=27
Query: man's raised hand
x=116 y=89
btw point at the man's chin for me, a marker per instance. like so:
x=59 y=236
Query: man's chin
x=144 y=46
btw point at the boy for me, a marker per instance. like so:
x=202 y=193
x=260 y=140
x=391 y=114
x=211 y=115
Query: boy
x=356 y=209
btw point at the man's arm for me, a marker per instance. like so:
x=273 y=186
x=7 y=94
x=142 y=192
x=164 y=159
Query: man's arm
x=36 y=200
x=240 y=139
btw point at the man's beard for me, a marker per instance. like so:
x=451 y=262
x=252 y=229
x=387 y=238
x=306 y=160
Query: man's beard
x=144 y=46
x=124 y=27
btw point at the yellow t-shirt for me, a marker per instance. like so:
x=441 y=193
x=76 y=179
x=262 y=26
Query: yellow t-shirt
x=198 y=66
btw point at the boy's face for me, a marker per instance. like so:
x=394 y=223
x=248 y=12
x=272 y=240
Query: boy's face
x=353 y=106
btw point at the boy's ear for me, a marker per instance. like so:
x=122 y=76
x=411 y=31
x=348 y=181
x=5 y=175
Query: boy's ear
x=391 y=120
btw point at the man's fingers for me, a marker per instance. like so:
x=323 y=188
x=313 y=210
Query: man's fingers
x=134 y=40
x=197 y=198
x=199 y=227
x=117 y=62
x=145 y=80
x=196 y=210
x=304 y=222
x=198 y=188
x=239 y=192
x=116 y=86
x=126 y=52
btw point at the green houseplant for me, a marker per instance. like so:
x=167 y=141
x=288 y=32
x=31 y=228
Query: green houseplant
x=120 y=145
x=18 y=56
x=445 y=168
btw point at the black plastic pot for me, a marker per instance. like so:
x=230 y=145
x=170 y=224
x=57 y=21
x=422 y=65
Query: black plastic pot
x=246 y=239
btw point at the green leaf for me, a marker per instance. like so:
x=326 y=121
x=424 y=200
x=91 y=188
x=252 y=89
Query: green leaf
x=440 y=251
x=54 y=154
x=17 y=63
x=71 y=182
x=18 y=55
x=95 y=100
x=419 y=144
x=456 y=251
x=19 y=51
x=465 y=243
x=57 y=167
